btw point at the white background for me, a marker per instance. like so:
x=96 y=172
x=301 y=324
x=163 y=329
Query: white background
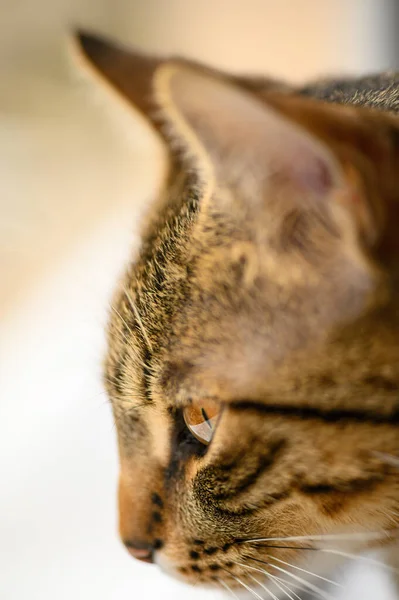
x=72 y=188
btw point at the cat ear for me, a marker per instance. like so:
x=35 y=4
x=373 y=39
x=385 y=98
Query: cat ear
x=212 y=117
x=206 y=114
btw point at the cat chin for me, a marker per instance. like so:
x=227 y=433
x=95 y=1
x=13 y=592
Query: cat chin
x=167 y=567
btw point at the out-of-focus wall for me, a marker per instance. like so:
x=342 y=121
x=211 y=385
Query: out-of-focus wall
x=295 y=39
x=290 y=38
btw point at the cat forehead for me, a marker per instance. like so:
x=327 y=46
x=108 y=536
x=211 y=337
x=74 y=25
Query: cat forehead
x=226 y=299
x=230 y=345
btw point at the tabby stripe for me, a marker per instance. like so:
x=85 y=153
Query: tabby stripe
x=265 y=463
x=309 y=412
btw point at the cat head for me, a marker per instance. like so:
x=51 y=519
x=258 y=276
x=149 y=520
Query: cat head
x=253 y=358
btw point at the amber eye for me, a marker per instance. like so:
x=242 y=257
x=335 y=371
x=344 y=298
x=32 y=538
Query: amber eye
x=201 y=418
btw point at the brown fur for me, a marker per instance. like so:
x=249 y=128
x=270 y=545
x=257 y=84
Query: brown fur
x=286 y=310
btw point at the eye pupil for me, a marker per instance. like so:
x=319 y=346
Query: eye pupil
x=206 y=418
x=201 y=419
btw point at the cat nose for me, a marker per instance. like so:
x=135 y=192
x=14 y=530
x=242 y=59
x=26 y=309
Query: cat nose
x=140 y=550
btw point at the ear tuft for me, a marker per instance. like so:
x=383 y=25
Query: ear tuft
x=130 y=73
x=93 y=46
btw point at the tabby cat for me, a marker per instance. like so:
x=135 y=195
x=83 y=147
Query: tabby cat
x=253 y=346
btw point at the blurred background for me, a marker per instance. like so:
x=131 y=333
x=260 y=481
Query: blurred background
x=75 y=176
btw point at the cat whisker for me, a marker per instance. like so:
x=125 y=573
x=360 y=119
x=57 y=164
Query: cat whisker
x=311 y=573
x=311 y=586
x=307 y=572
x=334 y=551
x=272 y=578
x=366 y=559
x=265 y=588
x=388 y=458
x=361 y=536
x=308 y=584
x=285 y=547
x=297 y=586
x=247 y=587
x=283 y=585
x=228 y=588
x=287 y=592
x=139 y=320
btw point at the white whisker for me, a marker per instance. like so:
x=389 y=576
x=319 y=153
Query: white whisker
x=228 y=588
x=138 y=319
x=308 y=584
x=362 y=536
x=281 y=588
x=388 y=458
x=307 y=572
x=286 y=586
x=351 y=556
x=297 y=586
x=264 y=587
x=247 y=587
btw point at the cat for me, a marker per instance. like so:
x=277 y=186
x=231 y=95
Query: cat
x=253 y=347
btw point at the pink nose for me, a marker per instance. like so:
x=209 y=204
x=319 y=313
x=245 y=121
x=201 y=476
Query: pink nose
x=142 y=552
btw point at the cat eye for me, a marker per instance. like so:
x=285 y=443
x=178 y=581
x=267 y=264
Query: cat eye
x=201 y=419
